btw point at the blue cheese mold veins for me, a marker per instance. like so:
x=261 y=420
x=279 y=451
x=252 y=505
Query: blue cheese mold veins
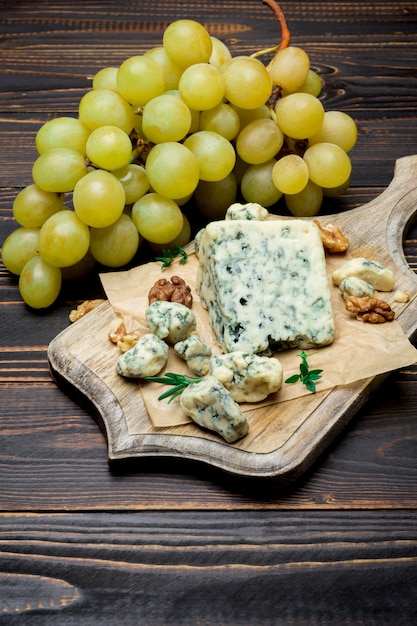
x=264 y=285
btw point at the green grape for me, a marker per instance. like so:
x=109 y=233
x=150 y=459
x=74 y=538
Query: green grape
x=299 y=115
x=172 y=73
x=79 y=269
x=172 y=170
x=312 y=85
x=99 y=199
x=106 y=78
x=115 y=245
x=250 y=115
x=195 y=115
x=187 y=42
x=138 y=126
x=39 y=283
x=134 y=180
x=64 y=239
x=239 y=169
x=212 y=199
x=105 y=107
x=221 y=119
x=290 y=174
x=157 y=218
x=181 y=240
x=334 y=192
x=257 y=184
x=248 y=83
x=139 y=79
x=289 y=68
x=32 y=206
x=202 y=86
x=166 y=118
x=215 y=155
x=20 y=246
x=328 y=165
x=259 y=141
x=109 y=147
x=182 y=201
x=62 y=132
x=220 y=53
x=307 y=202
x=195 y=121
x=338 y=128
x=59 y=169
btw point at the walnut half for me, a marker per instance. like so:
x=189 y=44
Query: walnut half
x=119 y=336
x=175 y=290
x=370 y=310
x=333 y=239
x=83 y=308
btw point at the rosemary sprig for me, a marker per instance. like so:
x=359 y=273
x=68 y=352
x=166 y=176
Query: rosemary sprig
x=178 y=381
x=168 y=256
x=306 y=376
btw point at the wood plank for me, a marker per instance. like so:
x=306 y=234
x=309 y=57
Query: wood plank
x=176 y=568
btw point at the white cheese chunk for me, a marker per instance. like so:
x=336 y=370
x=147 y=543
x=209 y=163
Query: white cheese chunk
x=147 y=358
x=195 y=353
x=211 y=406
x=170 y=320
x=248 y=377
x=264 y=285
x=354 y=286
x=249 y=211
x=380 y=277
x=197 y=240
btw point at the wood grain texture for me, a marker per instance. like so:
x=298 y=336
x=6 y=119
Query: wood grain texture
x=169 y=544
x=244 y=569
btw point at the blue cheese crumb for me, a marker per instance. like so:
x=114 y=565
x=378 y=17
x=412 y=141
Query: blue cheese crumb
x=147 y=358
x=170 y=320
x=381 y=278
x=211 y=406
x=248 y=377
x=354 y=286
x=195 y=353
x=249 y=211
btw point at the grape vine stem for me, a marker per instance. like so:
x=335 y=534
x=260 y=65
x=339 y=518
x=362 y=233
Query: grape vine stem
x=285 y=32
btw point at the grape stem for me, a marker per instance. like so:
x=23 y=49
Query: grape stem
x=285 y=32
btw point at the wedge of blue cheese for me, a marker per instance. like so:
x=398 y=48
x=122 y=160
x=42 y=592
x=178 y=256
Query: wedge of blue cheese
x=264 y=285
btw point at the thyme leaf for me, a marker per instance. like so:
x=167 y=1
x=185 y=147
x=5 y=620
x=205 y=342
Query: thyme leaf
x=306 y=376
x=178 y=381
x=168 y=256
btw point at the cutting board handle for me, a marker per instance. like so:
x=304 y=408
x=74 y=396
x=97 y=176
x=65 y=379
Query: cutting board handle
x=379 y=227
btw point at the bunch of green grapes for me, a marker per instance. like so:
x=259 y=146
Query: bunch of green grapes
x=185 y=124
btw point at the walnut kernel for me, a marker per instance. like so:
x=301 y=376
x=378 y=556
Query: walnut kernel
x=175 y=290
x=370 y=310
x=83 y=308
x=401 y=296
x=117 y=331
x=333 y=239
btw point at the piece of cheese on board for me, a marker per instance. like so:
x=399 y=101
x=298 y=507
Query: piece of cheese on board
x=264 y=285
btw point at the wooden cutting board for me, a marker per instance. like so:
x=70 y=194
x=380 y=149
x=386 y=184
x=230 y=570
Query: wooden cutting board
x=284 y=439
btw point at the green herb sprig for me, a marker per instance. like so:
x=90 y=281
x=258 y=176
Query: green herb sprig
x=168 y=256
x=179 y=382
x=306 y=375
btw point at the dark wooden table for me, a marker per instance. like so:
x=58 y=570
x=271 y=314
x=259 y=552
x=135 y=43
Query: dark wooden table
x=162 y=544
